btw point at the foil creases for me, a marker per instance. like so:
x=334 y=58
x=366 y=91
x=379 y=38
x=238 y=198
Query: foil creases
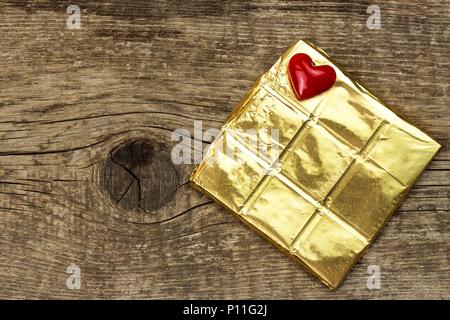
x=323 y=185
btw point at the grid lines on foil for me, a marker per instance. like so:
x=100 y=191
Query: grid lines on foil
x=322 y=205
x=347 y=163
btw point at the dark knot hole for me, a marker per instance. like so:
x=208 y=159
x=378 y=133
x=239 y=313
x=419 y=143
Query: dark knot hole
x=140 y=175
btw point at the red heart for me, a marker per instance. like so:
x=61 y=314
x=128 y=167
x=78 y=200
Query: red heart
x=307 y=79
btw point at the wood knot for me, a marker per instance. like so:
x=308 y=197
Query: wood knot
x=140 y=176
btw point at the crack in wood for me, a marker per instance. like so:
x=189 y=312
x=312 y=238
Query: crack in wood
x=140 y=176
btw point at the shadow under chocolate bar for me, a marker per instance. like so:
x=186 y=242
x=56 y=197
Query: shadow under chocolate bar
x=344 y=163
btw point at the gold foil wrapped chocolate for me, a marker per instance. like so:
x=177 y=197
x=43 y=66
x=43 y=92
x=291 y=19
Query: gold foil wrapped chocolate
x=318 y=178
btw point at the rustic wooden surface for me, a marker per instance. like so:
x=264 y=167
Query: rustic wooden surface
x=137 y=70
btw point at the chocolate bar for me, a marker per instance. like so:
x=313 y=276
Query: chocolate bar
x=316 y=172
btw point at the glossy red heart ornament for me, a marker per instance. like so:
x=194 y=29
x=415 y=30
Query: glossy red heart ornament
x=307 y=79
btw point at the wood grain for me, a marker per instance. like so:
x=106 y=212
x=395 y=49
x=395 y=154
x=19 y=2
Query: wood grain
x=137 y=70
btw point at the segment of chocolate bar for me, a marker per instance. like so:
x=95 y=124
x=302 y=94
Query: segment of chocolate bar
x=317 y=175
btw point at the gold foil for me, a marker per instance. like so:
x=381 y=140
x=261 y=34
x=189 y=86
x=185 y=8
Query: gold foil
x=345 y=163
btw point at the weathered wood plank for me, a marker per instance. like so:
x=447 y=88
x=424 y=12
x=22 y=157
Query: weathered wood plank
x=141 y=69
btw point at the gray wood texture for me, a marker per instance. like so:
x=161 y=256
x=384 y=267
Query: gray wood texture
x=136 y=71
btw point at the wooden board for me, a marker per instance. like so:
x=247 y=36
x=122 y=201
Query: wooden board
x=136 y=71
